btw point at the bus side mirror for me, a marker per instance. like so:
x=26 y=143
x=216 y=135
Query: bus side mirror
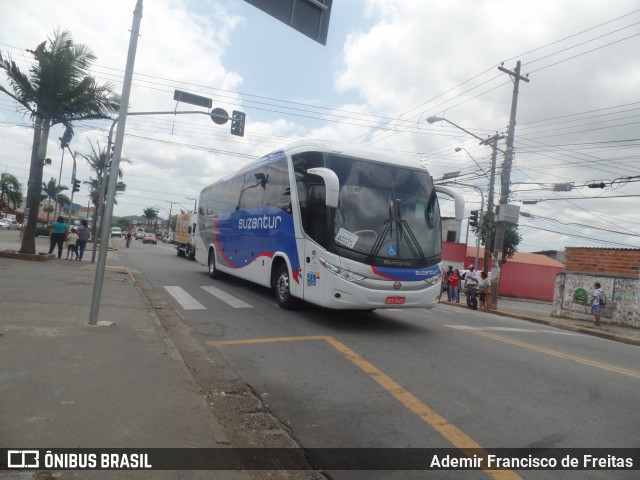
x=331 y=182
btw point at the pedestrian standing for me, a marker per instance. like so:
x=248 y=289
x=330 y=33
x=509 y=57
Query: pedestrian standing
x=72 y=245
x=59 y=231
x=445 y=283
x=470 y=281
x=595 y=304
x=484 y=289
x=454 y=286
x=83 y=238
x=443 y=274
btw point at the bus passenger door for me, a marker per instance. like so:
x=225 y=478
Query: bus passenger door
x=317 y=228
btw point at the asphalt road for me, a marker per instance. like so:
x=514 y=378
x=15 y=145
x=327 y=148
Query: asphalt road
x=445 y=377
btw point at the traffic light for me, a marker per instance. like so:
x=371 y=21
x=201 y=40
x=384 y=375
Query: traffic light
x=473 y=218
x=237 y=123
x=76 y=185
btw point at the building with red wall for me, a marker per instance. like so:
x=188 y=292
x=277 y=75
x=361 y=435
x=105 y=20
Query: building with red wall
x=525 y=275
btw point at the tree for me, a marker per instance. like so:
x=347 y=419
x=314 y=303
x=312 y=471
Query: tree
x=512 y=238
x=10 y=191
x=94 y=192
x=52 y=191
x=149 y=213
x=58 y=90
x=98 y=162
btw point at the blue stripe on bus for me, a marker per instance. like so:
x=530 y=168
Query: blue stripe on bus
x=408 y=274
x=244 y=236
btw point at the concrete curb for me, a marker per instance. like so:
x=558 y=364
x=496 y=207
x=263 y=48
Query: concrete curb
x=562 y=326
x=33 y=257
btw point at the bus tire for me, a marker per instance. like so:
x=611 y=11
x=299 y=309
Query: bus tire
x=213 y=271
x=282 y=289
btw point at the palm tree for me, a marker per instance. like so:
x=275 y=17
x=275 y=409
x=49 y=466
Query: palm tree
x=58 y=90
x=10 y=191
x=94 y=191
x=52 y=191
x=97 y=161
x=149 y=213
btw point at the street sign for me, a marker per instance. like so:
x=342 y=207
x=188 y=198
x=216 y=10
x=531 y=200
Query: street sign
x=309 y=17
x=219 y=116
x=186 y=97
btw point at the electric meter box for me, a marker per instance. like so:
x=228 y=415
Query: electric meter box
x=508 y=213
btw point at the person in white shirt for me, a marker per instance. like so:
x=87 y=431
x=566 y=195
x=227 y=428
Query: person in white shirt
x=595 y=304
x=470 y=281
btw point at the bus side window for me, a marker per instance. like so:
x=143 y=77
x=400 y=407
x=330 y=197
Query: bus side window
x=277 y=192
x=317 y=214
x=301 y=163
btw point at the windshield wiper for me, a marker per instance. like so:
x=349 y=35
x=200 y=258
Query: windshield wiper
x=386 y=227
x=405 y=230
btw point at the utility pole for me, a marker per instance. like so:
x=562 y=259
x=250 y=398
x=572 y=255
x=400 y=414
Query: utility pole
x=493 y=141
x=195 y=203
x=170 y=210
x=505 y=180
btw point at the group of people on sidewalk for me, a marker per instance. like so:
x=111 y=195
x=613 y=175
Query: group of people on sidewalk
x=477 y=287
x=76 y=239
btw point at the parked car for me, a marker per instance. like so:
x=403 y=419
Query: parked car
x=116 y=232
x=150 y=238
x=10 y=224
x=44 y=231
x=140 y=234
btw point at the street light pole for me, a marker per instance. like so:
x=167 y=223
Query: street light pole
x=113 y=178
x=481 y=191
x=493 y=142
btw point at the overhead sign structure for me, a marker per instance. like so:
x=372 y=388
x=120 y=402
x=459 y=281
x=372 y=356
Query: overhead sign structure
x=186 y=97
x=309 y=17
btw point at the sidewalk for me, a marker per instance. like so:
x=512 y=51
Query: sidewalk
x=66 y=384
x=540 y=312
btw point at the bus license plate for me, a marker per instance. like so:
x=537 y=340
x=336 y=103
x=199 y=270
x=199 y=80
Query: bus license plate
x=395 y=300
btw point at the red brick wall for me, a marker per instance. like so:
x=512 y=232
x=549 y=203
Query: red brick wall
x=612 y=261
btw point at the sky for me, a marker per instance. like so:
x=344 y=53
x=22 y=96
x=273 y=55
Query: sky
x=388 y=66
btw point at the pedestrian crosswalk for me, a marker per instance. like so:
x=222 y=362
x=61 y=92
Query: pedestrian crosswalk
x=188 y=302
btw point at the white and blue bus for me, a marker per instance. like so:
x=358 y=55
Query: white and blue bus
x=340 y=226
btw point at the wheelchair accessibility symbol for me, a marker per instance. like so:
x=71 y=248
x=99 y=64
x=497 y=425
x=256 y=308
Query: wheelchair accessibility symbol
x=392 y=250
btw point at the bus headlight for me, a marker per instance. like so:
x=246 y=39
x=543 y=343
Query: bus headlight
x=340 y=272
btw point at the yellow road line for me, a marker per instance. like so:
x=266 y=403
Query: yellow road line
x=453 y=434
x=565 y=356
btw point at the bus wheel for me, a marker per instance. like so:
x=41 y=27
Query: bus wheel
x=283 y=293
x=213 y=272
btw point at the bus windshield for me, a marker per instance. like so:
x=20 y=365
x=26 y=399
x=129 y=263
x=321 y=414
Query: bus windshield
x=386 y=215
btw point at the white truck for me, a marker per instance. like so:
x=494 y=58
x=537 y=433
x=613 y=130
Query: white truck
x=185 y=235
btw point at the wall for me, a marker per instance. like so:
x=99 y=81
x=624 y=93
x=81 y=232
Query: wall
x=528 y=281
x=616 y=262
x=617 y=272
x=453 y=254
